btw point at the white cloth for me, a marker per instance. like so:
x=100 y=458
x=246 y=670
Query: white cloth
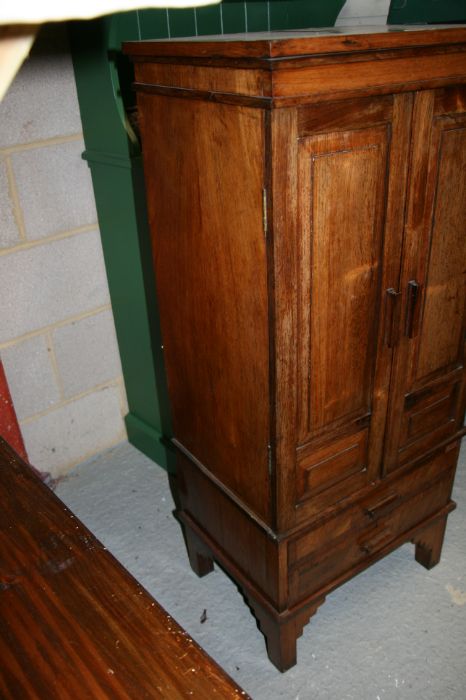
x=16 y=39
x=38 y=11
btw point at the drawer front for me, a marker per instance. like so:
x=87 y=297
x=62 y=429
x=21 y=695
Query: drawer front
x=384 y=499
x=333 y=549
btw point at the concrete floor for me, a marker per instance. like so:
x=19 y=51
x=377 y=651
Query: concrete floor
x=394 y=631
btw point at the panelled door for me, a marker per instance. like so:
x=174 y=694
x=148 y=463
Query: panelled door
x=352 y=170
x=427 y=402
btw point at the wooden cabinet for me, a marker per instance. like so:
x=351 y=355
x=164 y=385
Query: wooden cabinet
x=307 y=201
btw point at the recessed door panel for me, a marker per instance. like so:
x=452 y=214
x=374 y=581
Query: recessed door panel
x=347 y=203
x=343 y=175
x=349 y=257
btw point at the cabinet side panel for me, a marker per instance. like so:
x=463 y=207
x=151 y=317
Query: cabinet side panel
x=204 y=177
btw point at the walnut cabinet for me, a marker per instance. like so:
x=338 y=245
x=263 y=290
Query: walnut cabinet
x=307 y=202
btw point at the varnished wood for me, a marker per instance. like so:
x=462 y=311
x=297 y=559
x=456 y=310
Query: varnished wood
x=199 y=557
x=378 y=77
x=281 y=634
x=284 y=266
x=231 y=529
x=347 y=283
x=217 y=365
x=321 y=178
x=375 y=503
x=343 y=279
x=429 y=543
x=213 y=79
x=305 y=68
x=205 y=95
x=428 y=391
x=74 y=622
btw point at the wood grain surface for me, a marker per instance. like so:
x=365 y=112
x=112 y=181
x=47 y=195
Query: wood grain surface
x=336 y=332
x=74 y=624
x=303 y=42
x=209 y=254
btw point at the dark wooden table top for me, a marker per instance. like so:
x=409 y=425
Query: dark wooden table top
x=73 y=622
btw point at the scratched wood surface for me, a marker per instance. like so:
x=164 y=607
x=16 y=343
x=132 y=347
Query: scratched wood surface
x=73 y=622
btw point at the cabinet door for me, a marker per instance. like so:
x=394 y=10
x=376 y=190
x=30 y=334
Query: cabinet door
x=427 y=403
x=351 y=187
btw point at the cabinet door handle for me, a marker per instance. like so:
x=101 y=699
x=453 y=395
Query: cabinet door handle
x=412 y=310
x=392 y=317
x=382 y=506
x=377 y=542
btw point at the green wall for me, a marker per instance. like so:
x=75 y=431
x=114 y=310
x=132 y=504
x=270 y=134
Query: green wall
x=430 y=11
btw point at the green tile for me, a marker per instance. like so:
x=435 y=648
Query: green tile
x=257 y=16
x=208 y=20
x=153 y=24
x=413 y=11
x=122 y=26
x=182 y=22
x=234 y=17
x=296 y=14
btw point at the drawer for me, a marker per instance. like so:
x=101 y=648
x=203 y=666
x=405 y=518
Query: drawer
x=384 y=498
x=430 y=415
x=333 y=549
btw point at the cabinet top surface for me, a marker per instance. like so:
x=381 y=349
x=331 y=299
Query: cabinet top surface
x=300 y=42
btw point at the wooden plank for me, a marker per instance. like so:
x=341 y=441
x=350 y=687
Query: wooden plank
x=212 y=79
x=75 y=623
x=304 y=42
x=306 y=67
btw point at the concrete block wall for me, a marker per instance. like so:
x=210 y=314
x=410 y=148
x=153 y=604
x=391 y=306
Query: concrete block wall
x=57 y=337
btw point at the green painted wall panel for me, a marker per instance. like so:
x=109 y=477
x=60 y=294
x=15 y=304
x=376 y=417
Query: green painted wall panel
x=430 y=11
x=153 y=24
x=257 y=16
x=296 y=14
x=234 y=18
x=209 y=20
x=182 y=22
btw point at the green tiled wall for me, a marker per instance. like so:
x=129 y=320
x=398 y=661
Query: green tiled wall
x=431 y=11
x=233 y=16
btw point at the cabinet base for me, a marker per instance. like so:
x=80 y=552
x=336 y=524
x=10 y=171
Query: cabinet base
x=285 y=578
x=282 y=629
